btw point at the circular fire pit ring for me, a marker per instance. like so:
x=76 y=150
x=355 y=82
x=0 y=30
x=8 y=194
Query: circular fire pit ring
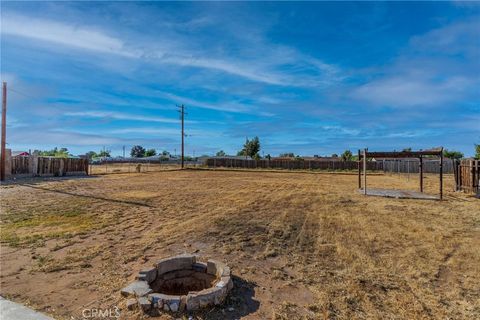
x=180 y=284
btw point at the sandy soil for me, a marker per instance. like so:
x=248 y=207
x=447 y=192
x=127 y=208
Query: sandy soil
x=301 y=245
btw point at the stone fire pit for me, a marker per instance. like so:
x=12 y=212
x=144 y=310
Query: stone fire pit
x=180 y=284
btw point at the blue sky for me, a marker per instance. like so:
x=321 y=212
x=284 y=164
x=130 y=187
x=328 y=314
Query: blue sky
x=306 y=77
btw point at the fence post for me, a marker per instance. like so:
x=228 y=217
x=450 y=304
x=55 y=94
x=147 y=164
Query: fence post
x=441 y=175
x=359 y=170
x=455 y=172
x=421 y=173
x=365 y=171
x=61 y=167
x=408 y=170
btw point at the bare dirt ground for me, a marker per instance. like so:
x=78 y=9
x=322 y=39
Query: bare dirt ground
x=301 y=245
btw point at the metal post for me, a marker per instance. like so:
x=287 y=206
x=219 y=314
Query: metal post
x=441 y=175
x=183 y=135
x=359 y=170
x=4 y=131
x=365 y=171
x=421 y=173
x=408 y=170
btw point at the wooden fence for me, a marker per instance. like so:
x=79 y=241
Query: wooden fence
x=393 y=166
x=467 y=175
x=22 y=166
x=413 y=165
x=289 y=164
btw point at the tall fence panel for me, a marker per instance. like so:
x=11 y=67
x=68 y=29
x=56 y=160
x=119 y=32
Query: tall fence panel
x=21 y=165
x=467 y=175
x=413 y=165
x=25 y=166
x=289 y=164
x=393 y=165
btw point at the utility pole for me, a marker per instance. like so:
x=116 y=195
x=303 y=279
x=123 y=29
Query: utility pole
x=182 y=114
x=123 y=152
x=4 y=131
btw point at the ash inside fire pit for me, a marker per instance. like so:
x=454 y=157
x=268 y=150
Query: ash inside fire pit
x=180 y=283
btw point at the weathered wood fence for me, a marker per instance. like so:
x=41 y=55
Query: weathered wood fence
x=467 y=175
x=413 y=165
x=289 y=164
x=394 y=166
x=25 y=166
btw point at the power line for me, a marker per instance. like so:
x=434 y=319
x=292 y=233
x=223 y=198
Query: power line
x=22 y=94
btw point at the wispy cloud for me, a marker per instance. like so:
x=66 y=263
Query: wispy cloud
x=63 y=34
x=119 y=116
x=257 y=68
x=171 y=132
x=417 y=78
x=227 y=106
x=411 y=91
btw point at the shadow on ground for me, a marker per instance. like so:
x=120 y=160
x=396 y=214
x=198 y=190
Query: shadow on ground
x=135 y=203
x=240 y=302
x=37 y=180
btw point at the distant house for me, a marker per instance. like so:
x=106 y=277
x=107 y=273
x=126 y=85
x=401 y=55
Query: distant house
x=282 y=158
x=378 y=159
x=314 y=158
x=20 y=154
x=317 y=158
x=205 y=158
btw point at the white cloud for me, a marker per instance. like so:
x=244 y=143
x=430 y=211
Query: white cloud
x=410 y=91
x=266 y=68
x=429 y=73
x=63 y=34
x=227 y=106
x=55 y=138
x=172 y=132
x=120 y=116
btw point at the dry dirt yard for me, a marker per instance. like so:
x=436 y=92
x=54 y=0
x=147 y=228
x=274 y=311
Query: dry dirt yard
x=301 y=245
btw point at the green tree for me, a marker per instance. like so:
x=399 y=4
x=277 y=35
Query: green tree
x=91 y=154
x=150 y=153
x=452 y=154
x=477 y=151
x=250 y=148
x=137 y=151
x=407 y=150
x=104 y=153
x=334 y=155
x=55 y=152
x=221 y=153
x=347 y=155
x=287 y=155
